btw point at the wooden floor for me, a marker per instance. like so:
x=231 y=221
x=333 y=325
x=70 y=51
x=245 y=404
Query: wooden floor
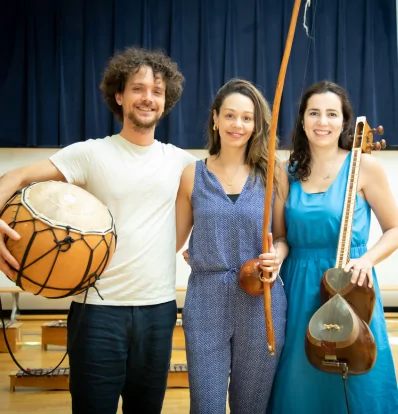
x=25 y=400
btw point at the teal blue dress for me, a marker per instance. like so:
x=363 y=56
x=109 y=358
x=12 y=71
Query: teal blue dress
x=313 y=225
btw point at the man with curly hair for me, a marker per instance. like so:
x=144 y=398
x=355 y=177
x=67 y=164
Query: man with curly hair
x=119 y=344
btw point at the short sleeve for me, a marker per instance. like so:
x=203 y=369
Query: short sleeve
x=187 y=158
x=74 y=161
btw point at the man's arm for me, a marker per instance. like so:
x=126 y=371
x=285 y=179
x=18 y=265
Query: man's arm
x=11 y=182
x=19 y=178
x=184 y=214
x=71 y=164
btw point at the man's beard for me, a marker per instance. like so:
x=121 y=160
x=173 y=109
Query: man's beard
x=149 y=124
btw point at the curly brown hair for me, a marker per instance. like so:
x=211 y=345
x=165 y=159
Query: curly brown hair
x=300 y=157
x=123 y=64
x=257 y=146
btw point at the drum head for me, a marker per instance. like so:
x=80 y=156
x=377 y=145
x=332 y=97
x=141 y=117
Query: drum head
x=66 y=205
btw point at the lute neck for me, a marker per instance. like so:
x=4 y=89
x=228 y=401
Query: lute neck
x=344 y=246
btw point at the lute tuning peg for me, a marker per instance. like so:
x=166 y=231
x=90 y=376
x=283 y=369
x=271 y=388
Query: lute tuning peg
x=378 y=145
x=379 y=130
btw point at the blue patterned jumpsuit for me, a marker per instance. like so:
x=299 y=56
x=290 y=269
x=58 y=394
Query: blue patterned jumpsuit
x=224 y=326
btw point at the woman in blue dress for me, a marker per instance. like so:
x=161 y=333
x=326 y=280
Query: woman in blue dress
x=222 y=198
x=318 y=169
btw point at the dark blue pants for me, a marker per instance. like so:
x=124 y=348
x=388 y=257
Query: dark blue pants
x=119 y=351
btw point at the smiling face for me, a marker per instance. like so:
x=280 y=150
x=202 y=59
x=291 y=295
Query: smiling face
x=143 y=98
x=235 y=120
x=323 y=119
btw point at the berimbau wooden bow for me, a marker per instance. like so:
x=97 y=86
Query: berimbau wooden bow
x=251 y=278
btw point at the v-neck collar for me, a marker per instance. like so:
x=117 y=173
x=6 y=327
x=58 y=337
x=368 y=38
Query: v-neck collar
x=221 y=188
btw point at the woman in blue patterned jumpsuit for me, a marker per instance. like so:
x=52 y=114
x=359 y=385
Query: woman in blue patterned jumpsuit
x=221 y=199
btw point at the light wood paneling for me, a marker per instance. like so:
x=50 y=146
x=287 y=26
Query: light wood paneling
x=46 y=401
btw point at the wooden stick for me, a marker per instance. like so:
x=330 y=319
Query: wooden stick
x=271 y=167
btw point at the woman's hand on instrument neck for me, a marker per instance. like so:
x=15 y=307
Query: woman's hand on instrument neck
x=270 y=262
x=6 y=259
x=361 y=270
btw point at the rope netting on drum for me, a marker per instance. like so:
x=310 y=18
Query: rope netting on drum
x=63 y=244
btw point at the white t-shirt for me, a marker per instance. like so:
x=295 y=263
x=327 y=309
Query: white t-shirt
x=139 y=186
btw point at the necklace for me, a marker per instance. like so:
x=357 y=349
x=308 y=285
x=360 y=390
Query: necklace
x=229 y=180
x=327 y=176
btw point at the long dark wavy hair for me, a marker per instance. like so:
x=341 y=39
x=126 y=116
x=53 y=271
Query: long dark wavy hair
x=300 y=157
x=257 y=146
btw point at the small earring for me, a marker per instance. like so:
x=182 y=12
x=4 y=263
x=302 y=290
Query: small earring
x=215 y=127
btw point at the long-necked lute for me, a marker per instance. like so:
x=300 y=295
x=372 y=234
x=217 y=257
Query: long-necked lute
x=338 y=338
x=336 y=280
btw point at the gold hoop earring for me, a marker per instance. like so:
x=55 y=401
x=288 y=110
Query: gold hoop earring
x=215 y=127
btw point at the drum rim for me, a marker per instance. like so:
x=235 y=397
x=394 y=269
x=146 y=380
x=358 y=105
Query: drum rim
x=24 y=195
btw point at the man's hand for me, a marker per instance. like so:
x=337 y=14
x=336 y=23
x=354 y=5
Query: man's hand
x=6 y=259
